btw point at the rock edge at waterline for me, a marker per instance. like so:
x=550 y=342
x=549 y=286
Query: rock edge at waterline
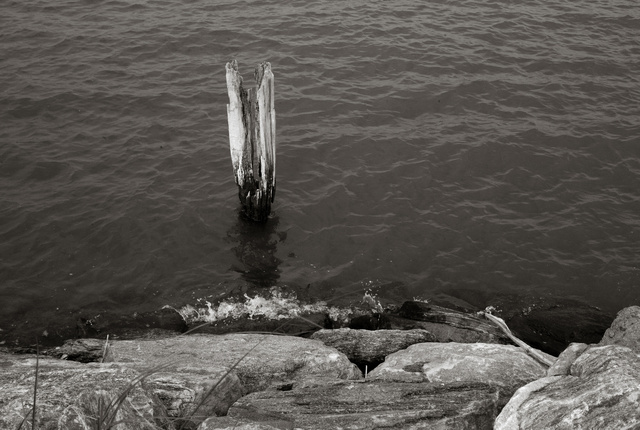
x=265 y=381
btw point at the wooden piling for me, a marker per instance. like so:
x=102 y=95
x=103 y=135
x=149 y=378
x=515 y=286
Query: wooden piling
x=252 y=139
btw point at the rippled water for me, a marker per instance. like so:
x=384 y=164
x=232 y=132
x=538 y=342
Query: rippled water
x=469 y=148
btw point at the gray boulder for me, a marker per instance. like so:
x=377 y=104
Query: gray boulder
x=625 y=329
x=562 y=365
x=259 y=360
x=595 y=387
x=71 y=395
x=503 y=366
x=367 y=346
x=366 y=405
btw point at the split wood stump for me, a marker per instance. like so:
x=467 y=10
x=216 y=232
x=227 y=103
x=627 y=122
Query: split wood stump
x=252 y=138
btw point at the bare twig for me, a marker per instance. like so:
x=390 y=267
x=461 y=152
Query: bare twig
x=107 y=412
x=105 y=350
x=503 y=326
x=35 y=387
x=32 y=412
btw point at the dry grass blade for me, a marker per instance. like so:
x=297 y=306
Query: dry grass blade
x=107 y=412
x=105 y=350
x=35 y=387
x=217 y=384
x=32 y=411
x=313 y=323
x=24 y=420
x=191 y=330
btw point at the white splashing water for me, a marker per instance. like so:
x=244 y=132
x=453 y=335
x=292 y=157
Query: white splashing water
x=277 y=305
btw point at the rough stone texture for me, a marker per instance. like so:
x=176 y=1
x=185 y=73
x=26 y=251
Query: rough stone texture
x=366 y=346
x=625 y=329
x=179 y=390
x=427 y=385
x=368 y=405
x=82 y=350
x=227 y=423
x=259 y=360
x=194 y=394
x=601 y=391
x=505 y=366
x=562 y=366
x=69 y=394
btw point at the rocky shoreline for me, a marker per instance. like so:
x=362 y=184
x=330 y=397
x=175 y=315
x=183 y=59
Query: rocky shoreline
x=424 y=367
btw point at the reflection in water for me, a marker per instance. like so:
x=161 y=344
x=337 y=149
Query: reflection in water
x=257 y=244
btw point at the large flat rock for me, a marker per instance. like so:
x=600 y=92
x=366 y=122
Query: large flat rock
x=69 y=394
x=366 y=405
x=259 y=360
x=503 y=366
x=600 y=390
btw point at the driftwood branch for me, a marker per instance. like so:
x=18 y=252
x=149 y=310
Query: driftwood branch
x=252 y=139
x=503 y=326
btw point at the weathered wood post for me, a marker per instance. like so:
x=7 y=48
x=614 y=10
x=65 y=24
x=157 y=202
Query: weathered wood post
x=252 y=138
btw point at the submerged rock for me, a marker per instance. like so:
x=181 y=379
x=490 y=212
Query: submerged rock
x=155 y=324
x=505 y=367
x=552 y=326
x=293 y=326
x=601 y=390
x=82 y=350
x=371 y=347
x=447 y=325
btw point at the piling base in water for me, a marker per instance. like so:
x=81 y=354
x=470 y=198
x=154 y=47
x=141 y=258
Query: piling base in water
x=252 y=131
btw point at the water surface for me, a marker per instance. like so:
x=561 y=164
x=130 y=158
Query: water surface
x=477 y=149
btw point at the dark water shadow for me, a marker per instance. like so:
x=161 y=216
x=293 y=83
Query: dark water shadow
x=256 y=246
